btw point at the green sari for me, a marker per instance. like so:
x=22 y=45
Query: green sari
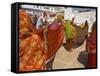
x=68 y=30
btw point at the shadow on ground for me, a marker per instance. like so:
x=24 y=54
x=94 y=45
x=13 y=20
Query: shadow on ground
x=82 y=58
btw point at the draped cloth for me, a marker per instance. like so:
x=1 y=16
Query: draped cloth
x=91 y=47
x=55 y=35
x=69 y=32
x=32 y=54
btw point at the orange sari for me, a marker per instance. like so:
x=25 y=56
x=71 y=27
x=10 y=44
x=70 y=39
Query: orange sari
x=32 y=54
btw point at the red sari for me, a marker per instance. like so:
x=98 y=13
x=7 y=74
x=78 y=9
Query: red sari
x=91 y=48
x=55 y=35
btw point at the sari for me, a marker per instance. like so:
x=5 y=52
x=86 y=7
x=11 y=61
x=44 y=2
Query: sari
x=91 y=47
x=70 y=33
x=32 y=54
x=69 y=29
x=55 y=36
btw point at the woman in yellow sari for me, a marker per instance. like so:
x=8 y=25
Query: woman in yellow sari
x=32 y=53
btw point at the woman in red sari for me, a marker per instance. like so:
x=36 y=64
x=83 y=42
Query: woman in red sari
x=91 y=47
x=32 y=54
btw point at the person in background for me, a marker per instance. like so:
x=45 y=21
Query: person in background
x=41 y=26
x=91 y=47
x=35 y=20
x=41 y=21
x=69 y=33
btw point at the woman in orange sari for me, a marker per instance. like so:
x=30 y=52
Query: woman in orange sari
x=32 y=54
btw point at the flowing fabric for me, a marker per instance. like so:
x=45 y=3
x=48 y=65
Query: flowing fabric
x=68 y=29
x=91 y=48
x=32 y=54
x=54 y=37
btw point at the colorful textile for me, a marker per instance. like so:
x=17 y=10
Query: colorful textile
x=91 y=47
x=32 y=54
x=68 y=29
x=54 y=37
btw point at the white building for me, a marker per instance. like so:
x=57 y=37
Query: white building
x=43 y=8
x=68 y=14
x=89 y=16
x=80 y=17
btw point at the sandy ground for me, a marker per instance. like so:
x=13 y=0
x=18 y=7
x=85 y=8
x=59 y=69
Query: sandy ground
x=75 y=59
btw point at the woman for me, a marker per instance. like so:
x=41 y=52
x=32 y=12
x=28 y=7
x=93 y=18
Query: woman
x=41 y=21
x=91 y=47
x=54 y=38
x=70 y=34
x=31 y=49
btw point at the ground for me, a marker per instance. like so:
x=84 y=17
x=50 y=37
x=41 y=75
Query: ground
x=75 y=59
